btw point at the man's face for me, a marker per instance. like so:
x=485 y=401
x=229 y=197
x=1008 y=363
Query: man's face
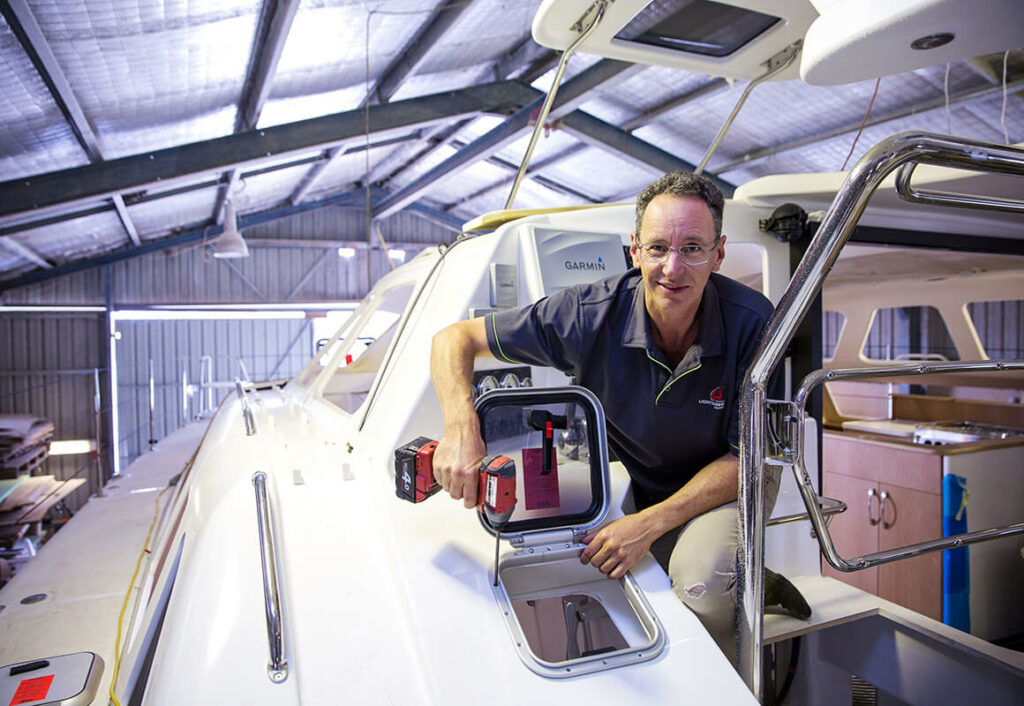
x=673 y=287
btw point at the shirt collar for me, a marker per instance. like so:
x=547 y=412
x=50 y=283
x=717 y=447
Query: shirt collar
x=710 y=337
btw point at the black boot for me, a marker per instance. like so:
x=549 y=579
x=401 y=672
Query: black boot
x=778 y=591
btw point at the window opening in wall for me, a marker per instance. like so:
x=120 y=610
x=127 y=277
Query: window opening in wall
x=359 y=347
x=909 y=333
x=832 y=323
x=1000 y=327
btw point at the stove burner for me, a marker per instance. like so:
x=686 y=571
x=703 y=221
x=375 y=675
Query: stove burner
x=961 y=432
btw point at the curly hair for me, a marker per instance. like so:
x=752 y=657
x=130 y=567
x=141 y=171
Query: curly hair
x=682 y=183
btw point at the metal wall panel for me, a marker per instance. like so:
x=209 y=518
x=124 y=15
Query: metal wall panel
x=262 y=348
x=48 y=367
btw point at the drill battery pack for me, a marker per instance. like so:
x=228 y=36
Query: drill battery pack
x=414 y=470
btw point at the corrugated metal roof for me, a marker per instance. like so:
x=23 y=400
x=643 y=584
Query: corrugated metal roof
x=140 y=76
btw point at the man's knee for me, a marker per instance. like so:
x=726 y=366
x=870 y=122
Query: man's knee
x=702 y=578
x=703 y=562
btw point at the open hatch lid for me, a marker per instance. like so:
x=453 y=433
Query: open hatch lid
x=570 y=495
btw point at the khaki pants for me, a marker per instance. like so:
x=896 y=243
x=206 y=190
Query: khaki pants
x=700 y=558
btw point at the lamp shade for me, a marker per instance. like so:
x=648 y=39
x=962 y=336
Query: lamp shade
x=230 y=243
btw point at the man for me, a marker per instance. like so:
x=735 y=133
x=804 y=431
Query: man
x=664 y=347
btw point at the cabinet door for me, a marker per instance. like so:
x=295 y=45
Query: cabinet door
x=911 y=516
x=851 y=531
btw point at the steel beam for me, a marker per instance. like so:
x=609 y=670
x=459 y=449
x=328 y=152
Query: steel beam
x=600 y=134
x=245 y=280
x=25 y=252
x=97 y=181
x=275 y=23
x=126 y=220
x=530 y=172
x=26 y=29
x=711 y=87
x=570 y=96
x=527 y=62
x=407 y=61
x=435 y=216
x=311 y=176
x=411 y=56
x=916 y=109
x=309 y=275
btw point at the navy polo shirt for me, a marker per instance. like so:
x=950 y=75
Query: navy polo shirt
x=663 y=424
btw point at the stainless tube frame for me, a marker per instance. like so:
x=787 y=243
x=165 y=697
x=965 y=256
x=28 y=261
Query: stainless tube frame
x=828 y=548
x=776 y=64
x=944 y=198
x=247 y=415
x=277 y=667
x=598 y=8
x=851 y=200
x=829 y=507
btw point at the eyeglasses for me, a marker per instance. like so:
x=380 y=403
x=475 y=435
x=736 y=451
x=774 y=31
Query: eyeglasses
x=691 y=254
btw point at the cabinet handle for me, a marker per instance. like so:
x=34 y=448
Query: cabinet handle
x=872 y=520
x=887 y=497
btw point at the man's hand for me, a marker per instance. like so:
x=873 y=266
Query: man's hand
x=457 y=466
x=615 y=547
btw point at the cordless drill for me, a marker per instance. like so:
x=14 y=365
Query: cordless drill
x=415 y=482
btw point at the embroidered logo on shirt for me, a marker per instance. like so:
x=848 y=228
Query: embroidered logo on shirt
x=715 y=398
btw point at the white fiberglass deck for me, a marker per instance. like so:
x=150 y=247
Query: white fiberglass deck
x=84 y=570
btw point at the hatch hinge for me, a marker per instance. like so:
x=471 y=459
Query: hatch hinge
x=547 y=540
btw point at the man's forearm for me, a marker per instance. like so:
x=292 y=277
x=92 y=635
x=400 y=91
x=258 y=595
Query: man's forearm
x=451 y=369
x=458 y=453
x=714 y=485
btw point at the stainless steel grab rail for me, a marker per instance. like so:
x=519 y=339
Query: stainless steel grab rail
x=829 y=507
x=828 y=548
x=247 y=415
x=277 y=667
x=851 y=200
x=945 y=198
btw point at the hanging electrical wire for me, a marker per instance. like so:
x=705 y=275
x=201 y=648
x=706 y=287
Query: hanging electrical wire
x=862 y=123
x=945 y=90
x=1002 y=114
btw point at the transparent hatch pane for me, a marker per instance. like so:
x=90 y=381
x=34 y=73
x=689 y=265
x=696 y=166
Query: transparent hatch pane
x=550 y=446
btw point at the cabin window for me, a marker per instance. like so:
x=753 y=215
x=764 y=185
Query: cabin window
x=697 y=27
x=1000 y=327
x=909 y=333
x=831 y=329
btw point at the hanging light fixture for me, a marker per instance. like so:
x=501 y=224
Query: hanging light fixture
x=230 y=243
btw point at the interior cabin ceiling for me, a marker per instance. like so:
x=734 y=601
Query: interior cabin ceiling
x=125 y=125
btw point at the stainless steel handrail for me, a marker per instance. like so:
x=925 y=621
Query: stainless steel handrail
x=829 y=506
x=247 y=415
x=824 y=375
x=277 y=667
x=597 y=8
x=851 y=200
x=828 y=548
x=945 y=198
x=776 y=65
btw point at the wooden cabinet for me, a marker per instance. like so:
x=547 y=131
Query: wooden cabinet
x=894 y=496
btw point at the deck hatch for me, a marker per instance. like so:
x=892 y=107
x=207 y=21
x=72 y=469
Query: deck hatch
x=698 y=27
x=565 y=618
